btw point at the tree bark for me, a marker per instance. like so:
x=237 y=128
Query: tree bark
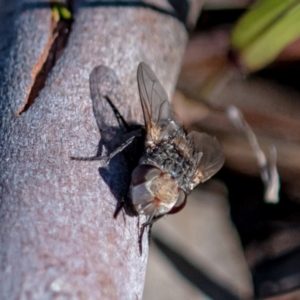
x=58 y=235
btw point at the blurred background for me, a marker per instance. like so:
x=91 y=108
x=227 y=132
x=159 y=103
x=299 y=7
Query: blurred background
x=239 y=235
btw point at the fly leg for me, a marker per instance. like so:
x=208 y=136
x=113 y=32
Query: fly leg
x=121 y=121
x=144 y=225
x=106 y=159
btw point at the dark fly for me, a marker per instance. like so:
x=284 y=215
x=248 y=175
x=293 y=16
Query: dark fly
x=174 y=162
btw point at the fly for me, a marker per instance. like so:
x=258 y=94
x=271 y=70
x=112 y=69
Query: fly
x=174 y=162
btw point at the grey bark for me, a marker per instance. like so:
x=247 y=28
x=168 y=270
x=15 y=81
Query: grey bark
x=58 y=237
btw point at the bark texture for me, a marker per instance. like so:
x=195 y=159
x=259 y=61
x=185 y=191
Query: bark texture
x=58 y=237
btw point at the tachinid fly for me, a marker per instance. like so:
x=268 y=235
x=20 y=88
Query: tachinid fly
x=174 y=162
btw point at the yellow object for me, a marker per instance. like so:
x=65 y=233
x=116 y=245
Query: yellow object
x=60 y=12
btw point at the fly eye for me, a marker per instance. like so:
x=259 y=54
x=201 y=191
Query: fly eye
x=140 y=194
x=143 y=173
x=180 y=203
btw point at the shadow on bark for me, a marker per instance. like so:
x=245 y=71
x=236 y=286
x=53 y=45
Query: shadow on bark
x=107 y=95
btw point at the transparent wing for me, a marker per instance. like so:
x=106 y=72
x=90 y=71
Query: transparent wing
x=210 y=153
x=154 y=99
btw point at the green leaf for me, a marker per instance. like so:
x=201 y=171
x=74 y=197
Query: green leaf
x=65 y=13
x=59 y=12
x=257 y=19
x=269 y=44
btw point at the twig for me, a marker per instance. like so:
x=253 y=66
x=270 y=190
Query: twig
x=268 y=169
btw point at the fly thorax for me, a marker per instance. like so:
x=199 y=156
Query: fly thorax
x=170 y=157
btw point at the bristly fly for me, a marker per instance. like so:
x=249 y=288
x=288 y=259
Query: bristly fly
x=174 y=162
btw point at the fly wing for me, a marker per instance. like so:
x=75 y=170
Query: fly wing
x=210 y=156
x=154 y=99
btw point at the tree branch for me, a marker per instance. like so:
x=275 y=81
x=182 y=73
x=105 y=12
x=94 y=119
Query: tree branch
x=58 y=235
